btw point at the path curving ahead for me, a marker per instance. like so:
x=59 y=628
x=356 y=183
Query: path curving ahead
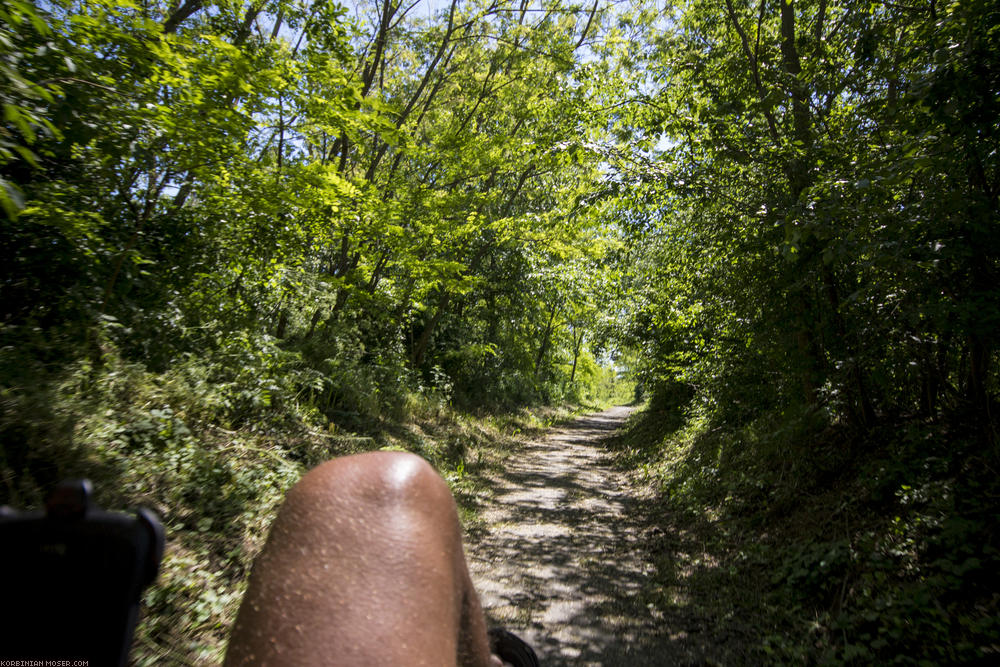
x=561 y=560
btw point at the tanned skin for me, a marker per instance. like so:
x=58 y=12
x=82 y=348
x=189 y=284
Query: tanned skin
x=364 y=566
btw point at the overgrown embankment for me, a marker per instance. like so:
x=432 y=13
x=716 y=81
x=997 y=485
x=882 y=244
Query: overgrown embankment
x=212 y=447
x=801 y=540
x=229 y=251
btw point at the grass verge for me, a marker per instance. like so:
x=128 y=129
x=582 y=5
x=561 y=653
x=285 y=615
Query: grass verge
x=789 y=539
x=214 y=460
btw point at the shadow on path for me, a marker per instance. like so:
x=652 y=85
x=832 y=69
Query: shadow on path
x=563 y=560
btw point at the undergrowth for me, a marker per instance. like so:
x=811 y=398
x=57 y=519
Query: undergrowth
x=803 y=541
x=212 y=444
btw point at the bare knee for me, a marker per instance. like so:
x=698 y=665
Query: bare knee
x=373 y=482
x=365 y=550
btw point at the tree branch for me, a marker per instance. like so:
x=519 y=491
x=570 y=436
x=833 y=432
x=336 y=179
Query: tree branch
x=180 y=15
x=754 y=70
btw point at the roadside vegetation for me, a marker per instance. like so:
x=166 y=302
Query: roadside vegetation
x=169 y=441
x=242 y=238
x=800 y=541
x=818 y=311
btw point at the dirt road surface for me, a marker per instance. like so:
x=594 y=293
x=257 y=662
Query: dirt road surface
x=561 y=561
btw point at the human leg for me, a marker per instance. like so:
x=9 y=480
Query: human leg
x=363 y=566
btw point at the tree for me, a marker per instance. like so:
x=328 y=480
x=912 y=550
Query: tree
x=795 y=193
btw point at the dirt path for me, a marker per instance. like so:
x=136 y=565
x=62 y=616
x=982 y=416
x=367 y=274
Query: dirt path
x=561 y=560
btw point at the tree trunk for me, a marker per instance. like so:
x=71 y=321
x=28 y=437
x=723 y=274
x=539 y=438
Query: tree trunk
x=577 y=344
x=317 y=314
x=420 y=347
x=279 y=331
x=543 y=348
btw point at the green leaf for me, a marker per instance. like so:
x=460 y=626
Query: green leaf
x=11 y=198
x=15 y=115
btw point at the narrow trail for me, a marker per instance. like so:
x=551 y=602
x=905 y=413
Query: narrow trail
x=561 y=561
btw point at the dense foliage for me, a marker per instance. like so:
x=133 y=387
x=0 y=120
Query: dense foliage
x=828 y=206
x=411 y=195
x=240 y=237
x=816 y=298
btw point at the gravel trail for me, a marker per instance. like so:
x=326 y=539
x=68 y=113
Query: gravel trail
x=561 y=561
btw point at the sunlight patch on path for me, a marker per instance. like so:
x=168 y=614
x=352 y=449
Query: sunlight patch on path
x=561 y=563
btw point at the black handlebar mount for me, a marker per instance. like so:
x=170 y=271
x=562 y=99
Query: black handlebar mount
x=74 y=578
